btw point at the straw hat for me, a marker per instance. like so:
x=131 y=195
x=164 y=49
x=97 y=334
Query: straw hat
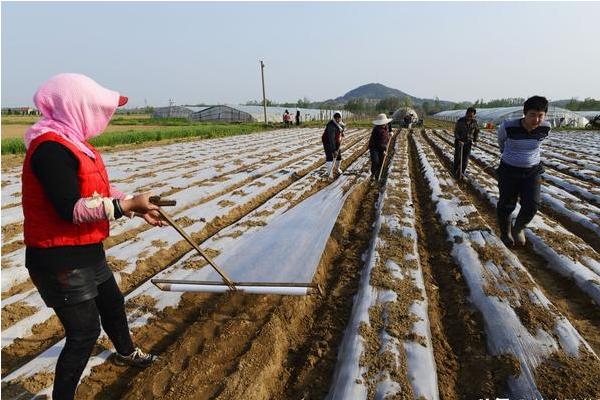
x=382 y=119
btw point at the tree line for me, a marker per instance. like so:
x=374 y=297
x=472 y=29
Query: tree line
x=588 y=104
x=301 y=103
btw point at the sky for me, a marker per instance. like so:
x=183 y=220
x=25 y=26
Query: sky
x=209 y=52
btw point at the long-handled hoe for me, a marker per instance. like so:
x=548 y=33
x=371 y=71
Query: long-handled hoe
x=460 y=159
x=173 y=285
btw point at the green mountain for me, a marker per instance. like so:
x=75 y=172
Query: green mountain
x=377 y=91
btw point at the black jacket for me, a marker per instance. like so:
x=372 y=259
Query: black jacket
x=466 y=131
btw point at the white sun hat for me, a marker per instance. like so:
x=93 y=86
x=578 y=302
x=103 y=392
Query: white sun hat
x=382 y=119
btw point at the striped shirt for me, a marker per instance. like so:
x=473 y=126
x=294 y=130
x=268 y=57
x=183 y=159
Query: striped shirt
x=519 y=147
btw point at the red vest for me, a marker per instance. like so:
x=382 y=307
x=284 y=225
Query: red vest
x=43 y=226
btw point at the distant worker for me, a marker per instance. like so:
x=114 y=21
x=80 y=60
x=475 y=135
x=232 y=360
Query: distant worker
x=520 y=170
x=287 y=119
x=297 y=117
x=466 y=132
x=408 y=120
x=378 y=144
x=332 y=140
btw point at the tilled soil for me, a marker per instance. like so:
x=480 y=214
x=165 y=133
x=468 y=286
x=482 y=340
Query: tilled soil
x=265 y=346
x=465 y=370
x=235 y=346
x=581 y=311
x=23 y=350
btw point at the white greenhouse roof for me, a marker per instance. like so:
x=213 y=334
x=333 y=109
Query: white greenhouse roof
x=275 y=114
x=588 y=114
x=499 y=114
x=196 y=109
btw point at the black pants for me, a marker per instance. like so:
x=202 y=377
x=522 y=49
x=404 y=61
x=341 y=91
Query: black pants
x=376 y=161
x=518 y=184
x=466 y=152
x=82 y=328
x=330 y=154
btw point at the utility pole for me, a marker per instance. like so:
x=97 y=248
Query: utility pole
x=262 y=74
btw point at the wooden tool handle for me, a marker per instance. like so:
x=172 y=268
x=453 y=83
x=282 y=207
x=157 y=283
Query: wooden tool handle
x=156 y=200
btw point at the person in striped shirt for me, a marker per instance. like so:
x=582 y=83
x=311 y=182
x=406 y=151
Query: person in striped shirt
x=520 y=170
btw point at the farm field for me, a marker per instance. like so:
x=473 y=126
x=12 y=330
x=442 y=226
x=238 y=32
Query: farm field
x=15 y=130
x=420 y=299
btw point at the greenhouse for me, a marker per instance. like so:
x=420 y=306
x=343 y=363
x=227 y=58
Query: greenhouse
x=556 y=116
x=588 y=114
x=172 y=112
x=256 y=113
x=221 y=113
x=231 y=113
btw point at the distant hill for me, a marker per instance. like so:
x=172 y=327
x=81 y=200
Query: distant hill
x=377 y=91
x=560 y=103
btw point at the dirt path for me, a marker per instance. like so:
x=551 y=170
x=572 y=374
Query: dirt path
x=49 y=332
x=260 y=346
x=465 y=369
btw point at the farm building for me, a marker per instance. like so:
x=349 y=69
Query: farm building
x=20 y=111
x=588 y=114
x=221 y=113
x=232 y=113
x=497 y=115
x=171 y=112
x=256 y=113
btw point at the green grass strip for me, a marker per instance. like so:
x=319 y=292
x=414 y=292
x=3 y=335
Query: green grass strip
x=204 y=131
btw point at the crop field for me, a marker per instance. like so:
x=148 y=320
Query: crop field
x=419 y=298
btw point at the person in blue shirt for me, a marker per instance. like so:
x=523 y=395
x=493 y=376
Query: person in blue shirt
x=520 y=170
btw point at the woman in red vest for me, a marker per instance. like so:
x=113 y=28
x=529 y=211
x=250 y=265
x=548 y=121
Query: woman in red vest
x=68 y=203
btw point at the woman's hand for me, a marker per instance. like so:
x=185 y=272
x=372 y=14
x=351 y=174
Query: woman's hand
x=140 y=205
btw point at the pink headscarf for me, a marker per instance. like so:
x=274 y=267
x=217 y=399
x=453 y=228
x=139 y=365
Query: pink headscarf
x=75 y=107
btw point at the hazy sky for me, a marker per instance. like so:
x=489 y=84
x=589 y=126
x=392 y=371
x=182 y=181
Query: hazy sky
x=208 y=52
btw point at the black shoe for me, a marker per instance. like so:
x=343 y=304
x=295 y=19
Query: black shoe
x=137 y=359
x=505 y=232
x=507 y=240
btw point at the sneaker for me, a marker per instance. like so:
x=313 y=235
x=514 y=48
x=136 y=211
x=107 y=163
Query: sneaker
x=137 y=359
